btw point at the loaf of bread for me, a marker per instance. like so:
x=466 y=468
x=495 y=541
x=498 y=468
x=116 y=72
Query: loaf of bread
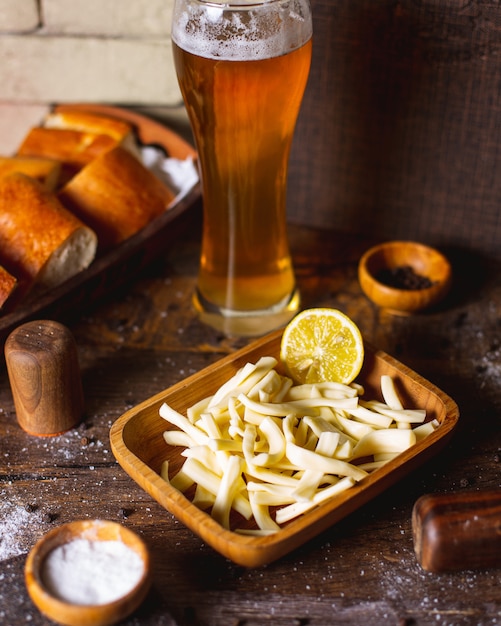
x=8 y=284
x=72 y=148
x=46 y=171
x=41 y=243
x=119 y=130
x=116 y=196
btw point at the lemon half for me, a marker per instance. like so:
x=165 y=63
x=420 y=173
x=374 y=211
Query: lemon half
x=322 y=345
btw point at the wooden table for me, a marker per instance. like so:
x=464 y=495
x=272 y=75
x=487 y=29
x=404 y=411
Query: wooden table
x=363 y=570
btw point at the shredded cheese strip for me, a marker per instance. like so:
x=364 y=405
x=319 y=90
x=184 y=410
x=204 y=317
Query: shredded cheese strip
x=271 y=450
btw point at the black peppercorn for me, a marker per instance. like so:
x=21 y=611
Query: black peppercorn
x=403 y=277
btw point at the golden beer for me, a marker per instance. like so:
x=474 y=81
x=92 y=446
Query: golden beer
x=243 y=113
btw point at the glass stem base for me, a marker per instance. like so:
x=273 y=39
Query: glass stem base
x=252 y=323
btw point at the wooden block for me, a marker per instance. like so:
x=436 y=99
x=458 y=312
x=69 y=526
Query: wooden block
x=458 y=531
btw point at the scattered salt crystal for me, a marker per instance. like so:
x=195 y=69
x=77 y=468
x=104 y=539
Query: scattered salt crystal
x=19 y=528
x=91 y=572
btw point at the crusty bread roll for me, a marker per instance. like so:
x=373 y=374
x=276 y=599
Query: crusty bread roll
x=73 y=148
x=119 y=130
x=41 y=243
x=46 y=171
x=8 y=284
x=116 y=195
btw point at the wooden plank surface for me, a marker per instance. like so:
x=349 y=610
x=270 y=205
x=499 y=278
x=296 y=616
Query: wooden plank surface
x=361 y=571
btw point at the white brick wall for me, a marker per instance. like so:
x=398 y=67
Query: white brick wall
x=108 y=17
x=15 y=120
x=19 y=15
x=110 y=51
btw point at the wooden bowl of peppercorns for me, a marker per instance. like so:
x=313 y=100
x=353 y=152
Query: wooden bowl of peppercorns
x=404 y=277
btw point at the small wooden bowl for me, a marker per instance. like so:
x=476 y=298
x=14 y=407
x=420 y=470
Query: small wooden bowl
x=64 y=612
x=424 y=261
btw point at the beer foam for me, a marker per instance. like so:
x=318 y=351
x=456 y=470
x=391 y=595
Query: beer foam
x=247 y=32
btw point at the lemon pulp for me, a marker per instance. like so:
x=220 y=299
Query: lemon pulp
x=321 y=345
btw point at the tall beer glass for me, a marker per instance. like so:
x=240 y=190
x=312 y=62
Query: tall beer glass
x=242 y=68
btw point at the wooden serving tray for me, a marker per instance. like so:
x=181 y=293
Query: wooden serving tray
x=116 y=267
x=139 y=447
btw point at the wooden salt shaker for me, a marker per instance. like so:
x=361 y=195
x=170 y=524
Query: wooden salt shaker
x=44 y=375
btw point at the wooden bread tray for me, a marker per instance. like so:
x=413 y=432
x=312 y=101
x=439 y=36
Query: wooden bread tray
x=116 y=267
x=138 y=445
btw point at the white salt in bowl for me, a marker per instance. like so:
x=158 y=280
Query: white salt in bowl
x=91 y=572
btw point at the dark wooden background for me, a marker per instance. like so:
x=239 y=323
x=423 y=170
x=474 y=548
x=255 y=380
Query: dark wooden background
x=399 y=134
